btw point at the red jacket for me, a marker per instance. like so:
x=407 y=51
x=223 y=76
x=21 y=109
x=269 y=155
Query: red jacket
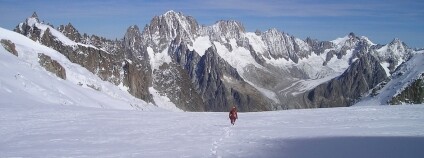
x=233 y=114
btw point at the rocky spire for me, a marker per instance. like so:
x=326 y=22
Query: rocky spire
x=71 y=32
x=34 y=15
x=165 y=28
x=27 y=28
x=132 y=38
x=33 y=19
x=352 y=35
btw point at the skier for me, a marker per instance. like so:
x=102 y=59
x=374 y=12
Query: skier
x=233 y=115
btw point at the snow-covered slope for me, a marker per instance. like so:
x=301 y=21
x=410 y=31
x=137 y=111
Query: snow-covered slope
x=44 y=130
x=24 y=81
x=401 y=78
x=34 y=23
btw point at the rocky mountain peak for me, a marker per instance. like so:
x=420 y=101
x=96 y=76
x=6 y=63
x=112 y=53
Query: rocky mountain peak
x=33 y=19
x=397 y=47
x=352 y=39
x=132 y=31
x=229 y=26
x=172 y=13
x=346 y=43
x=393 y=53
x=178 y=21
x=28 y=27
x=71 y=32
x=165 y=28
x=227 y=29
x=398 y=43
x=396 y=40
x=132 y=38
x=35 y=16
x=258 y=32
x=273 y=31
x=280 y=45
x=352 y=35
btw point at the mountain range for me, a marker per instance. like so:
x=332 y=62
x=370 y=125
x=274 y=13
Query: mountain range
x=192 y=67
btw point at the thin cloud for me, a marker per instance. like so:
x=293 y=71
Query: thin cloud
x=312 y=8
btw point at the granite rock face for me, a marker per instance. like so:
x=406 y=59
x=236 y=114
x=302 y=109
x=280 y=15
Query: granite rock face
x=194 y=82
x=135 y=78
x=165 y=28
x=70 y=32
x=105 y=58
x=364 y=74
x=52 y=66
x=9 y=46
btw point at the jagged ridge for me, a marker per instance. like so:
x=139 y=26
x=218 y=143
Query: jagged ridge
x=213 y=67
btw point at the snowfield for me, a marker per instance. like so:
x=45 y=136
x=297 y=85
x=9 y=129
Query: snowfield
x=71 y=131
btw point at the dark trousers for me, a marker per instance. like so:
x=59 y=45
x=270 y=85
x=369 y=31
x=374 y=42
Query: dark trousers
x=233 y=120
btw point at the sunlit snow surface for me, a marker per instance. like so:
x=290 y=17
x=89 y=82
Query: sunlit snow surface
x=35 y=130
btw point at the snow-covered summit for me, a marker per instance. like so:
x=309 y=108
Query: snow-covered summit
x=33 y=19
x=35 y=30
x=282 y=45
x=224 y=30
x=177 y=20
x=397 y=46
x=393 y=54
x=348 y=41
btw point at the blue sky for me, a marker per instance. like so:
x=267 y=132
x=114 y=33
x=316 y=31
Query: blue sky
x=379 y=20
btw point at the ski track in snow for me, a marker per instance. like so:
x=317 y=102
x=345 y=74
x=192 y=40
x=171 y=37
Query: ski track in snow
x=226 y=135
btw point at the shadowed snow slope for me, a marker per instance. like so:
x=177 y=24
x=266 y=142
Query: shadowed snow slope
x=44 y=130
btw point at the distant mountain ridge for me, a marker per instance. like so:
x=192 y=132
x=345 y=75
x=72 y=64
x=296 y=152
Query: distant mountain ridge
x=212 y=68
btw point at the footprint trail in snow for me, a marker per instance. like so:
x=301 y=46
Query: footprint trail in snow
x=226 y=134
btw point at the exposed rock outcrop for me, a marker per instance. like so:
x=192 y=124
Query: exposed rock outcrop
x=9 y=46
x=52 y=65
x=70 y=32
x=174 y=82
x=138 y=81
x=413 y=94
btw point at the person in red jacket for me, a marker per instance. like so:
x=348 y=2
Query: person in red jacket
x=233 y=115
